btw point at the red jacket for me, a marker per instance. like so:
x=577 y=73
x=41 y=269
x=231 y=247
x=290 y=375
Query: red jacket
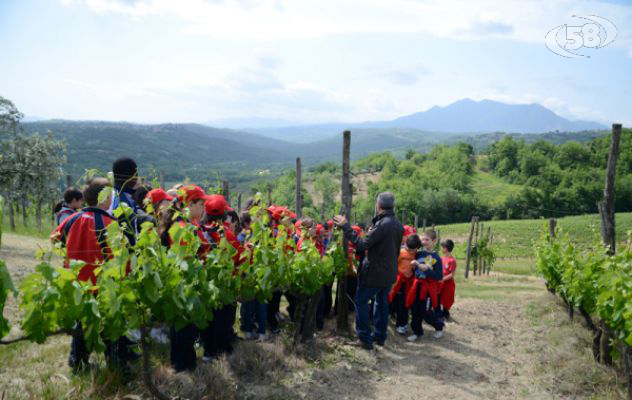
x=83 y=233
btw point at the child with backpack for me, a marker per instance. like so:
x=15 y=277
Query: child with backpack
x=423 y=295
x=84 y=236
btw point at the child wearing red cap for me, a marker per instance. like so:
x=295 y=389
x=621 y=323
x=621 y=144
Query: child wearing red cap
x=159 y=200
x=218 y=336
x=447 y=287
x=182 y=342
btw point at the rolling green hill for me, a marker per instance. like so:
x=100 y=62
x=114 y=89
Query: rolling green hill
x=515 y=238
x=492 y=189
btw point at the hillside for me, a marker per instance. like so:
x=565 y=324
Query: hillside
x=491 y=189
x=206 y=155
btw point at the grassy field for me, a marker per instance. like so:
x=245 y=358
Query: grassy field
x=492 y=189
x=515 y=238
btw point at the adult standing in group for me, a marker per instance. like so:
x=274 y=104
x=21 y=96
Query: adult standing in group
x=378 y=271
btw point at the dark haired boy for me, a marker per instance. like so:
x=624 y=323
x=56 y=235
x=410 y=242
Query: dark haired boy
x=423 y=295
x=73 y=201
x=125 y=174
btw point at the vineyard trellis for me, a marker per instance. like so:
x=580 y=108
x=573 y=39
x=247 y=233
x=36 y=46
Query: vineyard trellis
x=595 y=281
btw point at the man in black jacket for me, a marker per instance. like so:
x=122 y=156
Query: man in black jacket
x=378 y=272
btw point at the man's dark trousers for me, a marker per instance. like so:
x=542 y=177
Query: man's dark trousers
x=363 y=326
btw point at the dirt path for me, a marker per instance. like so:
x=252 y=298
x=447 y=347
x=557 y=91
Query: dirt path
x=491 y=351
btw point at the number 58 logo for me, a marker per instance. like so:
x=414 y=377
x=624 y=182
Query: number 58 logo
x=589 y=35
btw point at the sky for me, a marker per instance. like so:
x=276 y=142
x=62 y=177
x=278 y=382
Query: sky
x=304 y=61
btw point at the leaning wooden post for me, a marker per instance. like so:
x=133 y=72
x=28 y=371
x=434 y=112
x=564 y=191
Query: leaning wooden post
x=607 y=212
x=424 y=229
x=162 y=179
x=269 y=196
x=226 y=191
x=68 y=181
x=416 y=222
x=342 y=315
x=298 y=196
x=239 y=202
x=469 y=247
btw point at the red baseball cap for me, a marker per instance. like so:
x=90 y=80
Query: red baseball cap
x=215 y=205
x=157 y=195
x=190 y=193
x=319 y=229
x=409 y=230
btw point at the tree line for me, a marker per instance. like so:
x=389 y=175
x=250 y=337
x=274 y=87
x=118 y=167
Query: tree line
x=30 y=167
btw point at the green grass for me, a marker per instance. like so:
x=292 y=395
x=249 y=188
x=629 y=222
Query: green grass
x=515 y=238
x=492 y=189
x=495 y=287
x=30 y=229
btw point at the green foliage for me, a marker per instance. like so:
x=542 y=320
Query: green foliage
x=436 y=186
x=6 y=287
x=559 y=180
x=176 y=285
x=591 y=280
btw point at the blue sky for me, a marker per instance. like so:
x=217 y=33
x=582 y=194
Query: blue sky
x=304 y=61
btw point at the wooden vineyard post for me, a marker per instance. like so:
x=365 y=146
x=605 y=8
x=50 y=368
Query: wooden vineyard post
x=606 y=207
x=226 y=191
x=269 y=196
x=424 y=228
x=298 y=197
x=607 y=212
x=438 y=246
x=239 y=202
x=68 y=181
x=475 y=258
x=416 y=222
x=491 y=239
x=162 y=179
x=342 y=316
x=552 y=226
x=469 y=247
x=479 y=258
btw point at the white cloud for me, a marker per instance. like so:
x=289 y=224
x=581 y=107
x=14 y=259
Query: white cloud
x=521 y=20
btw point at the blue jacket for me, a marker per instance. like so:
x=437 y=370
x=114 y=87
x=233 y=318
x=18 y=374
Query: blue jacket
x=437 y=267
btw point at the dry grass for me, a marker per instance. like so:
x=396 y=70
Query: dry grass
x=563 y=354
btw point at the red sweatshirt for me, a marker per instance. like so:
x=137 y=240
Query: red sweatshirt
x=84 y=236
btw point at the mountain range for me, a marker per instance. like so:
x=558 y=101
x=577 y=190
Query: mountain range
x=464 y=117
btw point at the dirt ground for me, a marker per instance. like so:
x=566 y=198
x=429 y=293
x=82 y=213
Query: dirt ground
x=498 y=348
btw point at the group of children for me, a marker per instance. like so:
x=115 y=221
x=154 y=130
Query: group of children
x=425 y=282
